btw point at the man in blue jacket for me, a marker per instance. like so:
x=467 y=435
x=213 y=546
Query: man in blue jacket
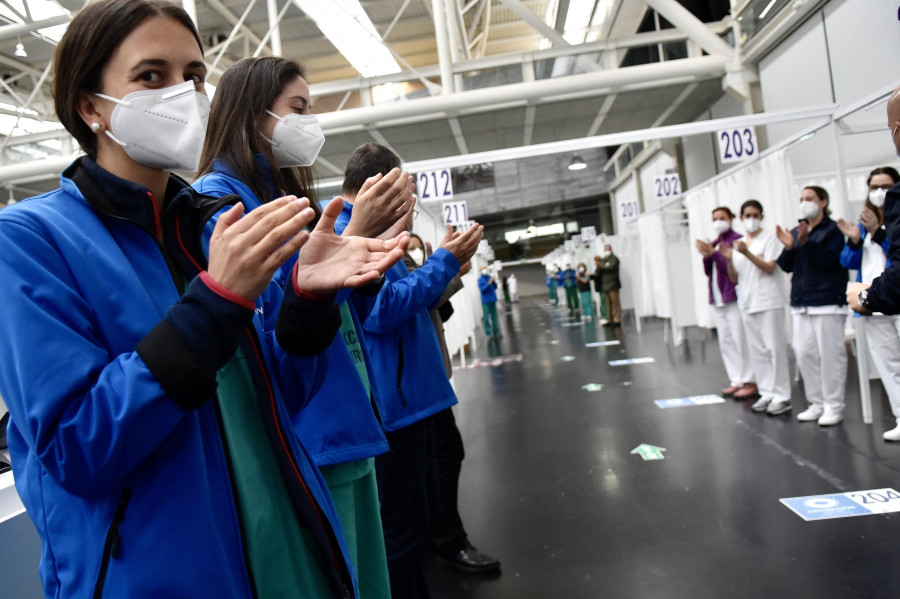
x=409 y=380
x=488 y=286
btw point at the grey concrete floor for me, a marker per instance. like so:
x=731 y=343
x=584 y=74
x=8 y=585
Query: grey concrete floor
x=550 y=487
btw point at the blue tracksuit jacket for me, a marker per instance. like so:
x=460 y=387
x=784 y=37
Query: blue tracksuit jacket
x=338 y=424
x=407 y=367
x=108 y=370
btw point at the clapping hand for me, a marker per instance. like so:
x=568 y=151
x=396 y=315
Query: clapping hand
x=330 y=262
x=244 y=253
x=849 y=229
x=784 y=237
x=381 y=203
x=725 y=250
x=741 y=246
x=704 y=247
x=463 y=245
x=869 y=220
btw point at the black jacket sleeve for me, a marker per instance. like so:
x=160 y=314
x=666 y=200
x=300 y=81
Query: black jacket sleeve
x=884 y=295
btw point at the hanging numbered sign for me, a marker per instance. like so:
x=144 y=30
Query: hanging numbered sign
x=435 y=185
x=737 y=144
x=455 y=213
x=667 y=187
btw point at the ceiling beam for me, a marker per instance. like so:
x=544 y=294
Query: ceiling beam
x=684 y=20
x=551 y=34
x=530 y=111
x=508 y=59
x=605 y=108
x=229 y=16
x=458 y=135
x=605 y=82
x=685 y=93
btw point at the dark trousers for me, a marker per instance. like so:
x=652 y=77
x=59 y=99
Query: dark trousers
x=449 y=534
x=407 y=491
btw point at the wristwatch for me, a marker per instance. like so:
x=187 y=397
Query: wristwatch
x=864 y=298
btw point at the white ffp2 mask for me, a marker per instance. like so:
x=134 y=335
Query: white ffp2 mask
x=296 y=140
x=161 y=128
x=720 y=226
x=809 y=210
x=876 y=196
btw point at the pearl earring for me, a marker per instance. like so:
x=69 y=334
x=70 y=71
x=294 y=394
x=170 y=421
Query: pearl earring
x=95 y=127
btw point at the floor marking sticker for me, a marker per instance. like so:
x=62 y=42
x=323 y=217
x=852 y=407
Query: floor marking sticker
x=571 y=324
x=567 y=358
x=603 y=343
x=649 y=452
x=592 y=387
x=844 y=505
x=554 y=342
x=499 y=361
x=694 y=400
x=631 y=361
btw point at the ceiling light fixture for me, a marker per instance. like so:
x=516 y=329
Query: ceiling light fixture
x=20 y=50
x=577 y=163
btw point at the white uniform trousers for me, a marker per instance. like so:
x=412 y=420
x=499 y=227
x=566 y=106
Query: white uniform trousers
x=768 y=344
x=733 y=344
x=822 y=358
x=883 y=335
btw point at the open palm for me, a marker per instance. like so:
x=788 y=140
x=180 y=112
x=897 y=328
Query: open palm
x=329 y=262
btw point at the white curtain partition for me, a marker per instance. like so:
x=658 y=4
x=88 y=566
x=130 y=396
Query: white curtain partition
x=466 y=302
x=656 y=299
x=769 y=180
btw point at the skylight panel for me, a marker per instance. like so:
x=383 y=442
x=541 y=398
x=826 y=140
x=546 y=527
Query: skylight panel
x=349 y=29
x=577 y=20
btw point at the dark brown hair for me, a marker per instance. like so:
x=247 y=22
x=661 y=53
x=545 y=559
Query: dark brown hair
x=751 y=204
x=236 y=115
x=90 y=40
x=881 y=170
x=367 y=161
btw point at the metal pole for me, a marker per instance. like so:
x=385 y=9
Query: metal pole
x=862 y=367
x=274 y=26
x=443 y=45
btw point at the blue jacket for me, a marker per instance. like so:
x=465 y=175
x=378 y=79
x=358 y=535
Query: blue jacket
x=819 y=279
x=851 y=257
x=338 y=424
x=108 y=370
x=407 y=368
x=568 y=278
x=488 y=295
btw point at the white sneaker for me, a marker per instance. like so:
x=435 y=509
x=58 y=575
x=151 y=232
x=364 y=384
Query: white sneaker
x=830 y=418
x=810 y=414
x=761 y=404
x=778 y=407
x=893 y=434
